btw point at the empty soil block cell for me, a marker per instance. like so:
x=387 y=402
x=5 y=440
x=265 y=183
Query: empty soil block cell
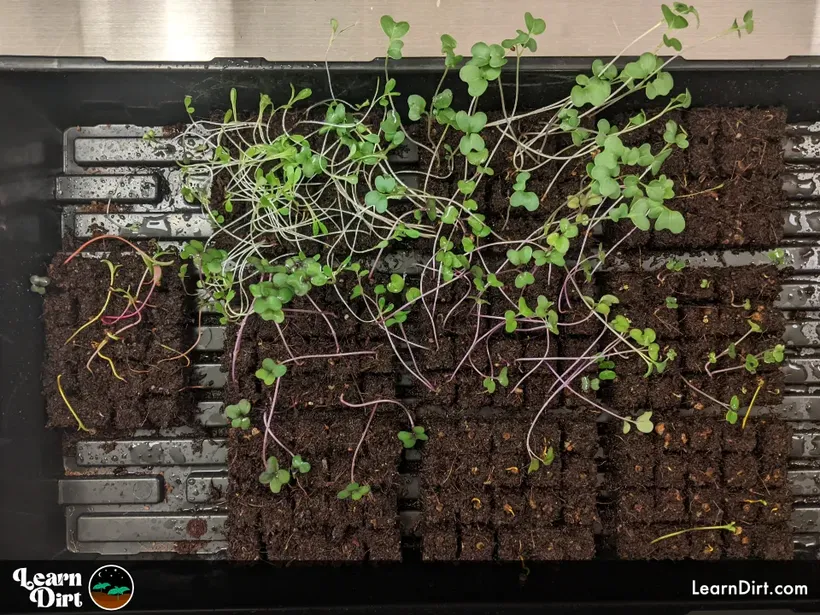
x=117 y=333
x=482 y=499
x=282 y=510
x=703 y=489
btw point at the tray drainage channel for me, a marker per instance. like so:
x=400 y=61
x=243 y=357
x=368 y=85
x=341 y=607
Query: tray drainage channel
x=163 y=493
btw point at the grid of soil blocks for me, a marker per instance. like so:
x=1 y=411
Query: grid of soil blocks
x=727 y=180
x=703 y=473
x=480 y=503
x=735 y=161
x=306 y=521
x=147 y=390
x=729 y=185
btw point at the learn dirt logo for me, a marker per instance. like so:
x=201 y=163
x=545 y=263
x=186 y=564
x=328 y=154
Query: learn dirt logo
x=111 y=587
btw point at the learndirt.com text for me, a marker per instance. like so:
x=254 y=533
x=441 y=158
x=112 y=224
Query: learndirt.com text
x=748 y=588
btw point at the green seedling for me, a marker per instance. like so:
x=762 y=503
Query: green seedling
x=410 y=438
x=299 y=465
x=675 y=265
x=643 y=423
x=386 y=188
x=748 y=24
x=777 y=256
x=535 y=26
x=590 y=384
x=394 y=30
x=270 y=371
x=606 y=370
x=274 y=476
x=621 y=323
x=751 y=363
x=520 y=196
x=704 y=283
x=38 y=284
x=354 y=491
x=604 y=305
x=774 y=355
x=559 y=241
x=472 y=147
x=547 y=457
x=502 y=379
x=483 y=66
x=238 y=414
x=729 y=527
x=672 y=303
x=731 y=413
x=646 y=338
x=396 y=284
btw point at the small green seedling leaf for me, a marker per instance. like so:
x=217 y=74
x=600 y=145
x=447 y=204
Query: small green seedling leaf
x=777 y=256
x=644 y=423
x=751 y=363
x=299 y=465
x=410 y=438
x=274 y=476
x=416 y=106
x=354 y=491
x=238 y=414
x=396 y=284
x=270 y=371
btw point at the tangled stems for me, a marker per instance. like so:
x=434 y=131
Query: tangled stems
x=112 y=269
x=322 y=189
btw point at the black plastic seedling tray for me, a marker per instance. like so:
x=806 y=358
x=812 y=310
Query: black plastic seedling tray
x=71 y=134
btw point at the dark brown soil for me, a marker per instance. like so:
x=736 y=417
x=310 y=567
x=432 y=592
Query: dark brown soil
x=479 y=494
x=693 y=477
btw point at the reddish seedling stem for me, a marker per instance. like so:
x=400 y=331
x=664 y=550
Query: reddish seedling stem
x=137 y=310
x=269 y=431
x=327 y=320
x=237 y=345
x=379 y=401
x=359 y=445
x=100 y=237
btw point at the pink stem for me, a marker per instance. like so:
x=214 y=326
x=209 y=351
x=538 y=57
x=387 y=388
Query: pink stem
x=706 y=395
x=359 y=445
x=236 y=347
x=269 y=431
x=329 y=356
x=379 y=401
x=552 y=396
x=329 y=326
x=111 y=320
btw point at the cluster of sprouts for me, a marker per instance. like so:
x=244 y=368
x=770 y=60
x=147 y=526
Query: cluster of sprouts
x=311 y=199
